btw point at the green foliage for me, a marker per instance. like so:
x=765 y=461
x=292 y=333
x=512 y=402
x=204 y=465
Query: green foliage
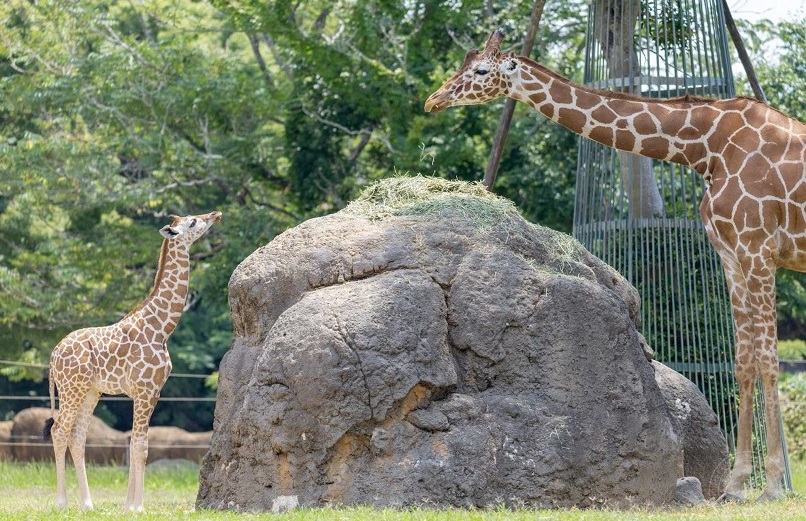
x=669 y=23
x=115 y=114
x=793 y=410
x=30 y=367
x=792 y=350
x=791 y=304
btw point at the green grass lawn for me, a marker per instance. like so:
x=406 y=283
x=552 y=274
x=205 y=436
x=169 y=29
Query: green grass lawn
x=27 y=491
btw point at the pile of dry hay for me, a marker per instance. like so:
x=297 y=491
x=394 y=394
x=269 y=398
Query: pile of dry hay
x=435 y=198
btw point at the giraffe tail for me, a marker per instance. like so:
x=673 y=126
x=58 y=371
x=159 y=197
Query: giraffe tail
x=49 y=422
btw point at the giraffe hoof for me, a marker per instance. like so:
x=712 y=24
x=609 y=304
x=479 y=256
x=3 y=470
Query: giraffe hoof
x=770 y=495
x=729 y=497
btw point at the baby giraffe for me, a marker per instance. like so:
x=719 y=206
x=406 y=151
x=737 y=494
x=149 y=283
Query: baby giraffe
x=129 y=357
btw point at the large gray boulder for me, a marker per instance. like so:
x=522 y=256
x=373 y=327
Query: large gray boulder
x=429 y=346
x=705 y=451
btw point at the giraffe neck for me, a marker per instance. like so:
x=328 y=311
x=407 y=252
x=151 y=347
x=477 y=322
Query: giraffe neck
x=675 y=129
x=163 y=307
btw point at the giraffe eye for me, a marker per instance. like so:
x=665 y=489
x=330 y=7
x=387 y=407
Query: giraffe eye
x=481 y=72
x=192 y=223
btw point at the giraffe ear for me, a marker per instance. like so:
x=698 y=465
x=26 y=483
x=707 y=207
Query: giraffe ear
x=469 y=57
x=169 y=232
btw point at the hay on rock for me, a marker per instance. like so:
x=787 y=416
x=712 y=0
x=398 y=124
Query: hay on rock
x=470 y=202
x=432 y=197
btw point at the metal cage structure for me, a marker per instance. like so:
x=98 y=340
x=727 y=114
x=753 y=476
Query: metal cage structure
x=642 y=216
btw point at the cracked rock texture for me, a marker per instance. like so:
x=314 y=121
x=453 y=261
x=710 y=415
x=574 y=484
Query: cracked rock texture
x=429 y=359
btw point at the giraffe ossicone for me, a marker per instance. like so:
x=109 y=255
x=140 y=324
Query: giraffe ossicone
x=753 y=161
x=129 y=357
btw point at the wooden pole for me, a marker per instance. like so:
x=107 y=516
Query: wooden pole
x=509 y=107
x=730 y=23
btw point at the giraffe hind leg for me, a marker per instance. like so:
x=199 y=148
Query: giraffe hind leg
x=78 y=446
x=761 y=278
x=61 y=433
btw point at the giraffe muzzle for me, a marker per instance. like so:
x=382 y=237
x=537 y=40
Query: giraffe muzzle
x=437 y=101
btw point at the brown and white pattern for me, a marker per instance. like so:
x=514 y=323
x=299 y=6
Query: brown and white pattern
x=129 y=357
x=752 y=159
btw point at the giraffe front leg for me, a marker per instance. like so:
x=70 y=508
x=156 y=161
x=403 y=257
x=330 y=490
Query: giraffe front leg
x=745 y=373
x=773 y=490
x=743 y=464
x=138 y=454
x=78 y=447
x=138 y=451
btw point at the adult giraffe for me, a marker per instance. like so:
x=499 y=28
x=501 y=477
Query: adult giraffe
x=129 y=357
x=752 y=159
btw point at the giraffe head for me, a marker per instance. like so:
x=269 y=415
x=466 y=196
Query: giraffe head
x=484 y=76
x=189 y=228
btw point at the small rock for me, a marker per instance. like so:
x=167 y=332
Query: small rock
x=381 y=441
x=284 y=504
x=429 y=420
x=688 y=491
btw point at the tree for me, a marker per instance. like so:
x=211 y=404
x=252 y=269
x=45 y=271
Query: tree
x=115 y=114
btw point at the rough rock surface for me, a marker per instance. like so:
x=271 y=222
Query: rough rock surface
x=705 y=451
x=5 y=440
x=688 y=492
x=440 y=359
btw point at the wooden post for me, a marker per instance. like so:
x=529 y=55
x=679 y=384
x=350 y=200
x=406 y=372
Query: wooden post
x=509 y=107
x=758 y=92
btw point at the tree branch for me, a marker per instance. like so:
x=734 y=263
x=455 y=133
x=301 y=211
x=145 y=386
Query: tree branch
x=330 y=123
x=509 y=107
x=277 y=56
x=254 y=41
x=359 y=148
x=321 y=20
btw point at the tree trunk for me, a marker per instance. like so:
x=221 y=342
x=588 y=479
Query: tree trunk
x=614 y=27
